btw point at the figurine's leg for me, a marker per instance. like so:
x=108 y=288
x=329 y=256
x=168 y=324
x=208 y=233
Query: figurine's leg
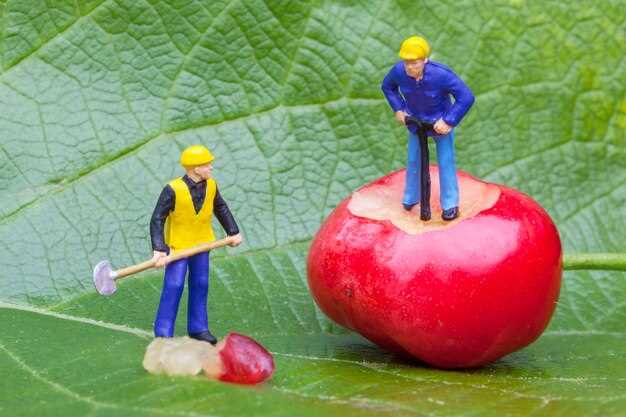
x=173 y=284
x=448 y=183
x=412 y=184
x=197 y=320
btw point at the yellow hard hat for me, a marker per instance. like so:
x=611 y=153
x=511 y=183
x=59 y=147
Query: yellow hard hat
x=414 y=47
x=195 y=155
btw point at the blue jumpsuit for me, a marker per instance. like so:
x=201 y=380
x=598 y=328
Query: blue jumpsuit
x=430 y=99
x=197 y=265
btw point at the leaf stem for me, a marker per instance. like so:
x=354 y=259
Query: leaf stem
x=595 y=261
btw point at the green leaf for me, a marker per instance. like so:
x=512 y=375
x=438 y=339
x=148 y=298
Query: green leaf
x=98 y=98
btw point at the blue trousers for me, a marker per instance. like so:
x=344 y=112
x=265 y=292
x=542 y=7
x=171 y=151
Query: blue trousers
x=448 y=183
x=173 y=285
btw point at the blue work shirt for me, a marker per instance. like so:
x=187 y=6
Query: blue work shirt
x=428 y=99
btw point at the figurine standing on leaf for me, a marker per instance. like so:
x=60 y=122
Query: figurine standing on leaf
x=182 y=219
x=422 y=89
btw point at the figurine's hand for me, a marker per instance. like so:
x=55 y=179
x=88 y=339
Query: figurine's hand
x=401 y=117
x=235 y=240
x=160 y=259
x=442 y=127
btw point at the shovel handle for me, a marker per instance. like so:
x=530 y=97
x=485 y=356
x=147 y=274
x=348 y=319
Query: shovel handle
x=133 y=269
x=174 y=256
x=203 y=247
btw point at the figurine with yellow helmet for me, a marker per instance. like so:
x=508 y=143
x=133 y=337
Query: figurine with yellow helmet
x=433 y=94
x=182 y=219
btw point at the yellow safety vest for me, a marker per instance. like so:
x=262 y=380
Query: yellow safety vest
x=184 y=228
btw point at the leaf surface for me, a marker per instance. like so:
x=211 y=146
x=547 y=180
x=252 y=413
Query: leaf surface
x=98 y=98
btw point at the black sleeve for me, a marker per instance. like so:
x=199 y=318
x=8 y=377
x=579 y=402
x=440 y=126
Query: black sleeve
x=164 y=205
x=223 y=214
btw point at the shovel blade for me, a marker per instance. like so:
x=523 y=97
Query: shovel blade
x=103 y=278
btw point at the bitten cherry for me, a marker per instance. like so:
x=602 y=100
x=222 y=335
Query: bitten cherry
x=452 y=294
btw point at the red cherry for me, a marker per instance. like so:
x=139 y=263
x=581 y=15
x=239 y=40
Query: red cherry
x=452 y=294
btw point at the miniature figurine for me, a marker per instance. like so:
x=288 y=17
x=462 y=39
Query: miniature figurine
x=182 y=219
x=421 y=88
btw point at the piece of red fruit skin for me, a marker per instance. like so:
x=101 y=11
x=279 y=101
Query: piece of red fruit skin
x=244 y=361
x=459 y=297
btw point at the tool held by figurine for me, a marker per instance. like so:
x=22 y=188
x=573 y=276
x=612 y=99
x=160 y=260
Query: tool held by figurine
x=104 y=277
x=422 y=128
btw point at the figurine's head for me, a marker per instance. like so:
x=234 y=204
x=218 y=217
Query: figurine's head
x=414 y=52
x=197 y=161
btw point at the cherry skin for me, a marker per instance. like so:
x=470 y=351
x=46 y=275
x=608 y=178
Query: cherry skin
x=457 y=294
x=244 y=360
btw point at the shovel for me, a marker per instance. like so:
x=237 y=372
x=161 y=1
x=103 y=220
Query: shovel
x=104 y=277
x=422 y=128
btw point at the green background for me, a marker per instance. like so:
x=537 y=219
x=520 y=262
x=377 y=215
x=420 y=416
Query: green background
x=98 y=98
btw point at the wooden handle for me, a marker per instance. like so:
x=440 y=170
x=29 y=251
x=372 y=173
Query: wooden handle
x=174 y=256
x=203 y=247
x=133 y=269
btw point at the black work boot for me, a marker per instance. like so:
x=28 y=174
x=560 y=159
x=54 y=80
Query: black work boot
x=408 y=207
x=205 y=336
x=450 y=214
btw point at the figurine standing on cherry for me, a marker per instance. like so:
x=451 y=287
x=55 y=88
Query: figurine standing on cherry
x=422 y=89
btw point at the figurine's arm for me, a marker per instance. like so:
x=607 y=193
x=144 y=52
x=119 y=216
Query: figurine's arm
x=392 y=93
x=163 y=207
x=224 y=216
x=463 y=100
